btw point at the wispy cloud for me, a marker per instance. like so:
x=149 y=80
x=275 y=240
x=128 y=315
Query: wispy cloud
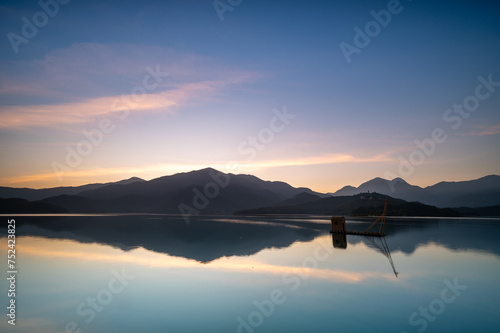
x=85 y=81
x=143 y=257
x=321 y=159
x=26 y=116
x=491 y=130
x=86 y=70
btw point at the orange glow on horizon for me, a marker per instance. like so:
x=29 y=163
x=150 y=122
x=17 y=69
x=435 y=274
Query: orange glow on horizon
x=78 y=177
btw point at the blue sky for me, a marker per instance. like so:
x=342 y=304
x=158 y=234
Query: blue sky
x=352 y=121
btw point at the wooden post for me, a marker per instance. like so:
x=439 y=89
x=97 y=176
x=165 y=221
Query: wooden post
x=338 y=224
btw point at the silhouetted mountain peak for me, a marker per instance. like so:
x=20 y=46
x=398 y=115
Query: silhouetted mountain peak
x=130 y=180
x=490 y=181
x=399 y=180
x=207 y=191
x=204 y=171
x=376 y=180
x=484 y=191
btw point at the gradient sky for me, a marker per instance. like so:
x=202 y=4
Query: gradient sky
x=228 y=78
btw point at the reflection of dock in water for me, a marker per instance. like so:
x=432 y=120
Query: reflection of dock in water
x=339 y=235
x=384 y=248
x=338 y=225
x=339 y=241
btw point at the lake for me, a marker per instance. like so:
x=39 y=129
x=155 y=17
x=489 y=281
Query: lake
x=155 y=273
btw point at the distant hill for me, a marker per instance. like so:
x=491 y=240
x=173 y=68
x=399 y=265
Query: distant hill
x=383 y=186
x=481 y=192
x=22 y=206
x=363 y=204
x=206 y=191
x=299 y=199
x=39 y=194
x=492 y=211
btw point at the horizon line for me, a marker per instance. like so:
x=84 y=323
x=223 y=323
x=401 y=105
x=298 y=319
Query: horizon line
x=247 y=174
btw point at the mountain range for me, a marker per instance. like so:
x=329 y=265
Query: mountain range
x=39 y=194
x=480 y=192
x=205 y=191
x=208 y=191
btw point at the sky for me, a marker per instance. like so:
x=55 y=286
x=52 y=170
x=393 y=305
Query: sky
x=314 y=93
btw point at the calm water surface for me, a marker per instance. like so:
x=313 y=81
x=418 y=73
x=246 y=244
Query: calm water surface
x=155 y=273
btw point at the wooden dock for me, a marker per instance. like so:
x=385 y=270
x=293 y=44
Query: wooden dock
x=338 y=225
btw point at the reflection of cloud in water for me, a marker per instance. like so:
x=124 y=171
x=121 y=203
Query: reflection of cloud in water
x=72 y=250
x=208 y=238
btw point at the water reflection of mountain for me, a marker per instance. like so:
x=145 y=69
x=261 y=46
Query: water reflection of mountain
x=208 y=238
x=204 y=239
x=408 y=234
